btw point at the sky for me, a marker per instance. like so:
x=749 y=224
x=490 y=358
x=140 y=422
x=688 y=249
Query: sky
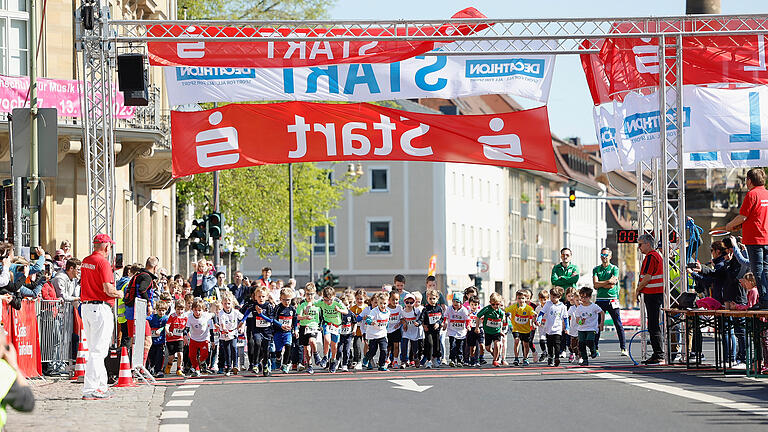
x=570 y=106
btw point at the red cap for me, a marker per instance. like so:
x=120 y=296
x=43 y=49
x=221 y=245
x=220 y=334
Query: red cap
x=102 y=238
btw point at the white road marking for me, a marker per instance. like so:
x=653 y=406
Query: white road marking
x=688 y=394
x=179 y=403
x=182 y=393
x=189 y=386
x=408 y=384
x=174 y=415
x=174 y=428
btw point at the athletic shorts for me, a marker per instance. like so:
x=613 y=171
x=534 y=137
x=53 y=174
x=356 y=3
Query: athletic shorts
x=175 y=347
x=490 y=338
x=473 y=339
x=395 y=337
x=282 y=339
x=525 y=337
x=585 y=336
x=335 y=337
x=305 y=336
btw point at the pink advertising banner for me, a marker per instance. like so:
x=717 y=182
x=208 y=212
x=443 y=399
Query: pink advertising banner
x=64 y=95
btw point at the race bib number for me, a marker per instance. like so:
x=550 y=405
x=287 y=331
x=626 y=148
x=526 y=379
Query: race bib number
x=241 y=340
x=261 y=322
x=177 y=331
x=522 y=319
x=333 y=329
x=434 y=318
x=346 y=329
x=493 y=323
x=615 y=304
x=381 y=323
x=286 y=321
x=457 y=324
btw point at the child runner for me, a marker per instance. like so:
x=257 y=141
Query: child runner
x=263 y=313
x=543 y=299
x=331 y=308
x=505 y=324
x=409 y=344
x=199 y=325
x=285 y=314
x=522 y=320
x=157 y=322
x=573 y=328
x=553 y=319
x=590 y=318
x=430 y=320
x=213 y=355
x=358 y=341
x=377 y=319
x=492 y=316
x=309 y=325
x=394 y=331
x=229 y=326
x=174 y=338
x=456 y=318
x=348 y=323
x=420 y=342
x=474 y=340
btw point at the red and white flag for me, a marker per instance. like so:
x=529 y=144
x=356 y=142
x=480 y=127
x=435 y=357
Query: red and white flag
x=235 y=136
x=282 y=54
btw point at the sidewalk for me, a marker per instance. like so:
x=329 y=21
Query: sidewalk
x=58 y=406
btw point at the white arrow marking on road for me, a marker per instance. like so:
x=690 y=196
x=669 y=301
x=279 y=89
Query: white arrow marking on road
x=409 y=384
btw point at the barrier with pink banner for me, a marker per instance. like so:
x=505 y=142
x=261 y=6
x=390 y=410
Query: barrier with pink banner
x=64 y=95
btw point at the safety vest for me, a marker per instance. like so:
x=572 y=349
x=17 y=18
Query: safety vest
x=656 y=284
x=121 y=306
x=7 y=378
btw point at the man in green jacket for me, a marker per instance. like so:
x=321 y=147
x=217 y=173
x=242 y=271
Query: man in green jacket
x=565 y=274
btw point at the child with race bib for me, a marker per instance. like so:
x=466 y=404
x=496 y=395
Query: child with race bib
x=431 y=320
x=589 y=317
x=523 y=317
x=331 y=309
x=309 y=326
x=377 y=319
x=229 y=326
x=456 y=318
x=285 y=314
x=199 y=325
x=174 y=338
x=553 y=319
x=491 y=318
x=394 y=329
x=410 y=342
x=348 y=324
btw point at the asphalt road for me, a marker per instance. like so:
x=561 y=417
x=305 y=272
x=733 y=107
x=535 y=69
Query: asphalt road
x=611 y=393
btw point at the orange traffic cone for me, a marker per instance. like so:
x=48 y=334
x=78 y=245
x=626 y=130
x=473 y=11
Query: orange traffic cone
x=125 y=377
x=82 y=354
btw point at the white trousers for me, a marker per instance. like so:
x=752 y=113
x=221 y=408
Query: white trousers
x=98 y=325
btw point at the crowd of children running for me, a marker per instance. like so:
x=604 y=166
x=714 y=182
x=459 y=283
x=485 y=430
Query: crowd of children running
x=300 y=330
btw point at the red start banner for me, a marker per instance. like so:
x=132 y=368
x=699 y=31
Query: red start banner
x=236 y=135
x=625 y=64
x=283 y=54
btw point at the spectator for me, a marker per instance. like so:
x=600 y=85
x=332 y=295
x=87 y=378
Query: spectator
x=66 y=249
x=13 y=385
x=25 y=282
x=221 y=285
x=144 y=281
x=128 y=272
x=240 y=288
x=58 y=259
x=65 y=281
x=6 y=255
x=202 y=280
x=753 y=218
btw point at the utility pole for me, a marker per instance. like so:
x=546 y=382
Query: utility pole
x=34 y=191
x=290 y=220
x=693 y=7
x=216 y=241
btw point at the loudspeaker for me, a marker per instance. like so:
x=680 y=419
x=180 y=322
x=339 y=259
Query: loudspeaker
x=131 y=75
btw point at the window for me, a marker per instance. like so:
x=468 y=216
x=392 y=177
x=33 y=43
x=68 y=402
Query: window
x=471 y=241
x=453 y=238
x=379 y=179
x=378 y=237
x=463 y=189
x=320 y=239
x=13 y=37
x=463 y=240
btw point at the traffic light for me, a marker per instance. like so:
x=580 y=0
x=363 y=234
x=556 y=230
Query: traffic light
x=199 y=236
x=215 y=229
x=572 y=198
x=327 y=279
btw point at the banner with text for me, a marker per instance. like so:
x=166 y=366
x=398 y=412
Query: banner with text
x=280 y=54
x=64 y=95
x=430 y=76
x=722 y=128
x=236 y=136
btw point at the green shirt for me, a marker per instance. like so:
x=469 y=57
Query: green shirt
x=330 y=314
x=492 y=319
x=565 y=276
x=306 y=308
x=603 y=274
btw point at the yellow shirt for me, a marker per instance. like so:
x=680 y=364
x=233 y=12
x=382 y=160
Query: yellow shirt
x=521 y=317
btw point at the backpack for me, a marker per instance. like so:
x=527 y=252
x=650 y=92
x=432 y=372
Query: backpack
x=131 y=290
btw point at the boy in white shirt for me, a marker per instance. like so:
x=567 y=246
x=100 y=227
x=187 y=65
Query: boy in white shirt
x=456 y=318
x=553 y=318
x=229 y=324
x=394 y=331
x=410 y=332
x=199 y=324
x=589 y=318
x=376 y=333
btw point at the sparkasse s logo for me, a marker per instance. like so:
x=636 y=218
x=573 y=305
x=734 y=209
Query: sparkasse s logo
x=187 y=73
x=504 y=67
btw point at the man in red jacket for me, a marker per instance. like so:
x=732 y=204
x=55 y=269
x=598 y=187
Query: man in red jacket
x=651 y=286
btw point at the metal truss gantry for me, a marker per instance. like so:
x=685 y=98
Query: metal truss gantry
x=661 y=185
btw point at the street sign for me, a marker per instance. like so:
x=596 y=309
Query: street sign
x=47 y=138
x=483 y=267
x=432 y=265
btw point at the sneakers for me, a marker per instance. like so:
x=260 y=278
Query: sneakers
x=97 y=395
x=452 y=364
x=300 y=367
x=235 y=370
x=227 y=373
x=323 y=363
x=483 y=361
x=516 y=362
x=401 y=365
x=365 y=363
x=557 y=361
x=310 y=370
x=525 y=362
x=544 y=358
x=496 y=363
x=286 y=368
x=429 y=365
x=267 y=371
x=582 y=362
x=624 y=353
x=739 y=365
x=550 y=362
x=585 y=363
x=652 y=360
x=332 y=367
x=359 y=366
x=383 y=369
x=504 y=363
x=595 y=354
x=180 y=373
x=196 y=373
x=436 y=363
x=571 y=357
x=345 y=368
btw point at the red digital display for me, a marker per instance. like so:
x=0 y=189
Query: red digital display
x=630 y=236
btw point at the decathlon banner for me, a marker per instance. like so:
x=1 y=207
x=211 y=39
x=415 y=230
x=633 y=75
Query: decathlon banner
x=279 y=54
x=720 y=126
x=421 y=77
x=236 y=136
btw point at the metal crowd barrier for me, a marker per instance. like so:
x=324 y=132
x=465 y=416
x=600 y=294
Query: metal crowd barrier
x=55 y=324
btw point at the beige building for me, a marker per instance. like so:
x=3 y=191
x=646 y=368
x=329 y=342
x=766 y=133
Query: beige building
x=144 y=213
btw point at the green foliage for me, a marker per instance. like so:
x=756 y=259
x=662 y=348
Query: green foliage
x=254 y=202
x=254 y=9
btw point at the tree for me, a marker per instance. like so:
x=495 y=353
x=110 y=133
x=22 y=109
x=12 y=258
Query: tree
x=254 y=202
x=254 y=9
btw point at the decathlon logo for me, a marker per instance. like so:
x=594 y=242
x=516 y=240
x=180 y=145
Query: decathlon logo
x=504 y=67
x=649 y=122
x=187 y=73
x=608 y=139
x=217 y=147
